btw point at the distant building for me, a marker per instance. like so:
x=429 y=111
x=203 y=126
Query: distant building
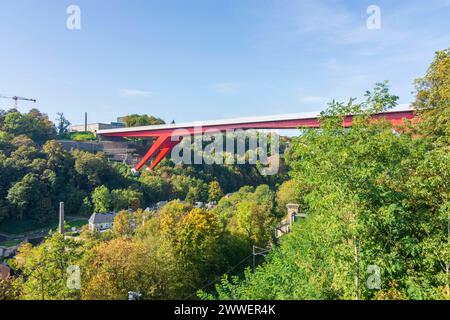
x=199 y=205
x=101 y=221
x=161 y=204
x=94 y=127
x=156 y=206
x=121 y=119
x=210 y=205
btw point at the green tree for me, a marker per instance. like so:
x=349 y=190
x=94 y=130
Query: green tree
x=57 y=157
x=94 y=167
x=254 y=218
x=197 y=244
x=33 y=124
x=249 y=214
x=29 y=198
x=86 y=207
x=373 y=197
x=125 y=199
x=147 y=266
x=102 y=199
x=170 y=216
x=288 y=192
x=124 y=224
x=215 y=192
x=44 y=269
x=155 y=187
x=9 y=289
x=62 y=125
x=433 y=99
x=136 y=120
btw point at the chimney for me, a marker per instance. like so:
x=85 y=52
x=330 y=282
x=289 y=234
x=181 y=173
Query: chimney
x=85 y=122
x=61 y=217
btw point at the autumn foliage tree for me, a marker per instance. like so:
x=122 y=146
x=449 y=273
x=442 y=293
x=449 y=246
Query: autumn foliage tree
x=373 y=197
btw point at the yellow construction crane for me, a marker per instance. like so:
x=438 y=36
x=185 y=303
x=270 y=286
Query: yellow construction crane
x=16 y=98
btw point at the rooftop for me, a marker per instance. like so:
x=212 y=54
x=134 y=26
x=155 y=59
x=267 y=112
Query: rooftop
x=102 y=217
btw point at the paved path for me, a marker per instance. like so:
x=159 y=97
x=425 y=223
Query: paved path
x=6 y=235
x=71 y=218
x=38 y=233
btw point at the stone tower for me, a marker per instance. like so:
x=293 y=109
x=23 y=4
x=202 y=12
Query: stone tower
x=292 y=212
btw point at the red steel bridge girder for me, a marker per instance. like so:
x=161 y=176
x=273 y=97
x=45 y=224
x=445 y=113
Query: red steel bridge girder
x=168 y=138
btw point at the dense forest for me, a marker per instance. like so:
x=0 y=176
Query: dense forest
x=376 y=198
x=36 y=173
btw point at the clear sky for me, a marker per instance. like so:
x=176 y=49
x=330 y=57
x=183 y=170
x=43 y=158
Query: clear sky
x=189 y=60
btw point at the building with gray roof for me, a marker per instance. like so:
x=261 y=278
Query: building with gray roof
x=101 y=221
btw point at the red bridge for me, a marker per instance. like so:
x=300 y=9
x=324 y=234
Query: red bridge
x=164 y=133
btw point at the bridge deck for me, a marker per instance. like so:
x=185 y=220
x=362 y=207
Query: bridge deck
x=165 y=141
x=285 y=121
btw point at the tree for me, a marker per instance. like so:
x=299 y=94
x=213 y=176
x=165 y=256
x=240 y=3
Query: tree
x=215 y=192
x=5 y=141
x=9 y=289
x=147 y=266
x=170 y=216
x=288 y=192
x=155 y=187
x=111 y=271
x=62 y=125
x=124 y=224
x=34 y=124
x=56 y=155
x=249 y=215
x=102 y=199
x=44 y=269
x=86 y=207
x=28 y=197
x=255 y=218
x=92 y=166
x=433 y=99
x=180 y=185
x=135 y=120
x=125 y=199
x=370 y=202
x=197 y=243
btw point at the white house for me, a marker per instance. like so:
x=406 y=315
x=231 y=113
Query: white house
x=101 y=221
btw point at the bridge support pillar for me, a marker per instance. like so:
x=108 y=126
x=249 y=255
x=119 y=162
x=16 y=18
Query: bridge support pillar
x=163 y=145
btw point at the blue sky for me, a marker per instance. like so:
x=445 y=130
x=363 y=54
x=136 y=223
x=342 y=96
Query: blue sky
x=207 y=59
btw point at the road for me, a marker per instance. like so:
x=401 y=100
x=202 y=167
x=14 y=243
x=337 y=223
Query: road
x=35 y=233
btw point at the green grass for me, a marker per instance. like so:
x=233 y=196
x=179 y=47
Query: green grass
x=17 y=227
x=82 y=136
x=76 y=223
x=10 y=243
